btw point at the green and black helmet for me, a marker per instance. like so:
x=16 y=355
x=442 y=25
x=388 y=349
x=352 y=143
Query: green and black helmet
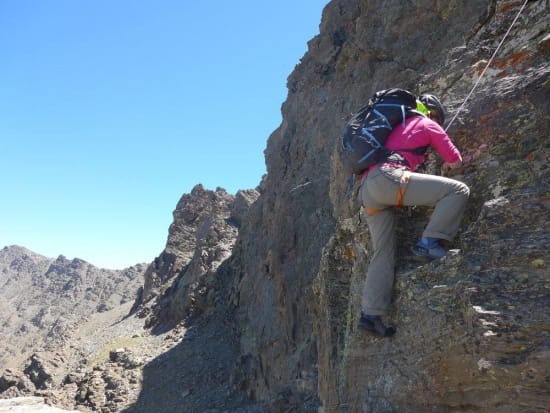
x=434 y=106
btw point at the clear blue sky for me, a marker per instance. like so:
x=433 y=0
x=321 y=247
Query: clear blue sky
x=111 y=110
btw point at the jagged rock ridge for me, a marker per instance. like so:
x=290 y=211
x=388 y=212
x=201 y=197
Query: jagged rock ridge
x=200 y=239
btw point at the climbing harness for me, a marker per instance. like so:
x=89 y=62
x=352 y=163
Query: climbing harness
x=486 y=67
x=403 y=184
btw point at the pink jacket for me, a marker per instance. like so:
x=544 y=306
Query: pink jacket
x=420 y=131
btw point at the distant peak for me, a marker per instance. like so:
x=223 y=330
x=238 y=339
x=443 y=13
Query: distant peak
x=17 y=250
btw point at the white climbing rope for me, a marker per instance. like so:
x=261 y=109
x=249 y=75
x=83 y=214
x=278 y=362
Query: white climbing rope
x=486 y=67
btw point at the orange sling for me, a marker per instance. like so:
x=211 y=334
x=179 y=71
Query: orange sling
x=403 y=184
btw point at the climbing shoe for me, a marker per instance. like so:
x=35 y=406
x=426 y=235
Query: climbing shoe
x=429 y=248
x=373 y=324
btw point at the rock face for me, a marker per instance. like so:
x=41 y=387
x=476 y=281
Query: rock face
x=472 y=328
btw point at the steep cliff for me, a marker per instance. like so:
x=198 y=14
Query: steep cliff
x=473 y=328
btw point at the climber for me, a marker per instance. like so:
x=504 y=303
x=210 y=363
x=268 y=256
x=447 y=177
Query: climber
x=392 y=183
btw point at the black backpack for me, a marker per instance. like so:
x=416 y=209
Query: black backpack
x=366 y=132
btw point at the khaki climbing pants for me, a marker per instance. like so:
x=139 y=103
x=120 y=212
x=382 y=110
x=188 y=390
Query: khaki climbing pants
x=382 y=189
